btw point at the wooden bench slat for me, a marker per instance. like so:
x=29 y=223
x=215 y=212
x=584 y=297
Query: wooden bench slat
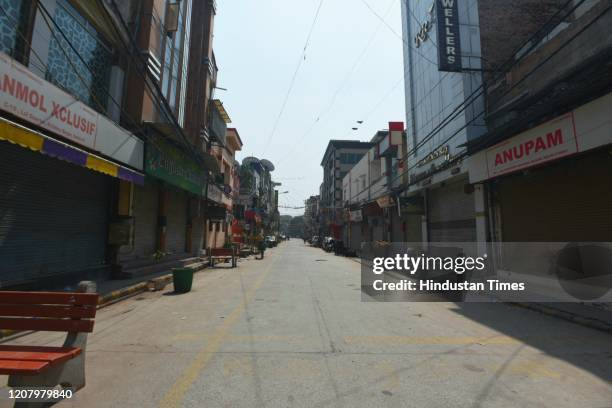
x=52 y=355
x=82 y=326
x=47 y=311
x=50 y=298
x=221 y=252
x=12 y=367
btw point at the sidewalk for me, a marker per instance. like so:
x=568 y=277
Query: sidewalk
x=599 y=318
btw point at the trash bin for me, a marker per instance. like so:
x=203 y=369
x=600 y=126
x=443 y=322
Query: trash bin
x=182 y=279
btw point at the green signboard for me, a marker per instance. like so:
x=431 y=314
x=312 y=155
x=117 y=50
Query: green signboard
x=170 y=164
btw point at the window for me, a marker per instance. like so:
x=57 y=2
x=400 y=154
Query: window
x=175 y=54
x=14 y=16
x=88 y=82
x=350 y=158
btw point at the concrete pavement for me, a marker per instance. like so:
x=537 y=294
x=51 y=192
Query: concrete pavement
x=291 y=330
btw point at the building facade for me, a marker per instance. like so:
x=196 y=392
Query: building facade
x=107 y=131
x=257 y=206
x=65 y=151
x=339 y=157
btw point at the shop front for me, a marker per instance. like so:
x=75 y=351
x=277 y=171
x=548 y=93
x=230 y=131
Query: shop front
x=177 y=183
x=451 y=213
x=61 y=163
x=545 y=182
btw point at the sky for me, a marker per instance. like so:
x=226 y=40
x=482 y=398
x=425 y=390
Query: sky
x=351 y=69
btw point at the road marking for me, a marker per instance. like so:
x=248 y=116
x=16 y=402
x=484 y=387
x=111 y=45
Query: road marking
x=175 y=395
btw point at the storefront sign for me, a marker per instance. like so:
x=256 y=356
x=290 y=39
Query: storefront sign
x=449 y=44
x=37 y=101
x=546 y=142
x=356 y=216
x=443 y=151
x=171 y=164
x=385 y=201
x=423 y=33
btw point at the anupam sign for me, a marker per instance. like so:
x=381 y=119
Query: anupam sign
x=546 y=142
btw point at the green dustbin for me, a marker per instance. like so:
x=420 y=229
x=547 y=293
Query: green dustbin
x=182 y=278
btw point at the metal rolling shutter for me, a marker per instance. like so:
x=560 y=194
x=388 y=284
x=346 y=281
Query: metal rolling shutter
x=176 y=221
x=53 y=216
x=567 y=201
x=146 y=204
x=450 y=214
x=356 y=236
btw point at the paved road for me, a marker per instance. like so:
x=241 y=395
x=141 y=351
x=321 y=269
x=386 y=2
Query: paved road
x=291 y=331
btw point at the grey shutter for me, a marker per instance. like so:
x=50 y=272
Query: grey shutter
x=176 y=221
x=53 y=216
x=145 y=210
x=450 y=214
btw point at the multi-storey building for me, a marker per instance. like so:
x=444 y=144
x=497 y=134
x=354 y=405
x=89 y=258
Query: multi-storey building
x=222 y=194
x=507 y=127
x=340 y=156
x=369 y=202
x=115 y=91
x=453 y=49
x=311 y=217
x=258 y=198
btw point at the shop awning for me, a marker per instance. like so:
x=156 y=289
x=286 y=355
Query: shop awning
x=41 y=143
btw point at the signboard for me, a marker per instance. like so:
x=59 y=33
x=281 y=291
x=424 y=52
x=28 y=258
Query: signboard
x=443 y=151
x=543 y=143
x=356 y=216
x=171 y=164
x=385 y=201
x=423 y=33
x=449 y=44
x=37 y=101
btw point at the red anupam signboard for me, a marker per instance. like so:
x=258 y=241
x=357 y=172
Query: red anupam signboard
x=550 y=141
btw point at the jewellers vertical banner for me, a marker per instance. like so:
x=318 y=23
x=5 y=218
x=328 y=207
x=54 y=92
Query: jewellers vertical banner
x=449 y=44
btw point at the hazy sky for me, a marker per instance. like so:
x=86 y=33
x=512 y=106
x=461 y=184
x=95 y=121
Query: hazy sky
x=258 y=45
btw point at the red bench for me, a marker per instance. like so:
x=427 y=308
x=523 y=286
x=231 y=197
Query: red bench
x=47 y=366
x=221 y=254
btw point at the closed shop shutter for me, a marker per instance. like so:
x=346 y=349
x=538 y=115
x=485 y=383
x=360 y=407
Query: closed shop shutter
x=450 y=214
x=563 y=202
x=176 y=221
x=53 y=216
x=356 y=236
x=145 y=210
x=377 y=224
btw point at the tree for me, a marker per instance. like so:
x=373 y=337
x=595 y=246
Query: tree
x=296 y=227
